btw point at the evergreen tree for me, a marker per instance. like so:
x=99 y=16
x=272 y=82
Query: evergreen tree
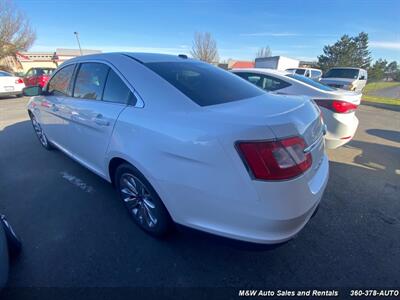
x=346 y=52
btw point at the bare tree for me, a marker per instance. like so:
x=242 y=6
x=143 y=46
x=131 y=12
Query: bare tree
x=264 y=52
x=204 y=47
x=16 y=34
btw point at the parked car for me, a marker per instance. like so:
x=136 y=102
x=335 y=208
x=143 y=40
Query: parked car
x=338 y=106
x=10 y=246
x=10 y=85
x=352 y=79
x=38 y=76
x=187 y=142
x=307 y=72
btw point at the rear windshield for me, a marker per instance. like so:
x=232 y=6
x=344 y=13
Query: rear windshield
x=4 y=74
x=204 y=83
x=311 y=82
x=342 y=73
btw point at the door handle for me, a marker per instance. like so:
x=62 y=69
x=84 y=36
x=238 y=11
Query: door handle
x=99 y=120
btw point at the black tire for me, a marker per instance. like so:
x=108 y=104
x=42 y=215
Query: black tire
x=19 y=95
x=147 y=206
x=43 y=140
x=13 y=241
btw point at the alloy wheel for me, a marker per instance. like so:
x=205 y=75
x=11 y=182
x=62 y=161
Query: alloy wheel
x=39 y=132
x=138 y=200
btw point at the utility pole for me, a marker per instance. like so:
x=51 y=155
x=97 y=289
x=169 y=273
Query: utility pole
x=77 y=39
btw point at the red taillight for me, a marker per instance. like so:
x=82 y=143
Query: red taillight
x=19 y=81
x=337 y=106
x=42 y=80
x=276 y=160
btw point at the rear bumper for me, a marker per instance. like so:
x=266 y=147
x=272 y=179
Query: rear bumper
x=276 y=213
x=13 y=93
x=291 y=215
x=341 y=129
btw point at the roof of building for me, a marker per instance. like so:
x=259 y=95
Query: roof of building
x=75 y=52
x=242 y=64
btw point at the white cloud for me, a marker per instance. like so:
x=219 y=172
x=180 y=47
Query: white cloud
x=385 y=45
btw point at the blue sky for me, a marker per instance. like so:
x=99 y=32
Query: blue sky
x=292 y=28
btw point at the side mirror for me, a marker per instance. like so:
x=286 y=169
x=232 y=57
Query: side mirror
x=31 y=91
x=362 y=78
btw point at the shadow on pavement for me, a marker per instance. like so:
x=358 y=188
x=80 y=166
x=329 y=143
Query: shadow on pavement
x=377 y=156
x=78 y=239
x=389 y=135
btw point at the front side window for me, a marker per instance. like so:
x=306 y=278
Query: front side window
x=116 y=90
x=30 y=73
x=265 y=82
x=90 y=81
x=60 y=82
x=300 y=71
x=203 y=83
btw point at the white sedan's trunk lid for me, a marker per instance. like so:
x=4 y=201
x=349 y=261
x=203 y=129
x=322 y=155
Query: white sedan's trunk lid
x=285 y=116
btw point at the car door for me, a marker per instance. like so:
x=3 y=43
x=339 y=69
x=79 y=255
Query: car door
x=99 y=96
x=28 y=77
x=53 y=113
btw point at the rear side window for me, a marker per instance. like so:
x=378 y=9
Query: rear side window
x=204 y=83
x=90 y=81
x=315 y=73
x=265 y=82
x=59 y=84
x=116 y=90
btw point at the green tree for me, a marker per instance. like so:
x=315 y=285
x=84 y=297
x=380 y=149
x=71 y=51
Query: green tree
x=346 y=52
x=391 y=70
x=377 y=71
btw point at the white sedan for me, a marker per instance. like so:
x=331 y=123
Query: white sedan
x=186 y=142
x=338 y=106
x=10 y=85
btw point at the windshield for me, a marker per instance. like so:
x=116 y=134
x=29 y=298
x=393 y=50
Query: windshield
x=204 y=83
x=311 y=82
x=342 y=73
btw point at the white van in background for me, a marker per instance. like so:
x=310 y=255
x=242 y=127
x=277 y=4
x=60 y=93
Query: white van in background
x=307 y=72
x=352 y=79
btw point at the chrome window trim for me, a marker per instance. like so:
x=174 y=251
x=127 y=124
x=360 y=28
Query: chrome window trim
x=139 y=103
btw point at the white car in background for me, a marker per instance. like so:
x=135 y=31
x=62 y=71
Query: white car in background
x=307 y=72
x=10 y=85
x=338 y=106
x=351 y=79
x=185 y=141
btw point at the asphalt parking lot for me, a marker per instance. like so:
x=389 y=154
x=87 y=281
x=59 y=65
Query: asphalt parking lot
x=77 y=234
